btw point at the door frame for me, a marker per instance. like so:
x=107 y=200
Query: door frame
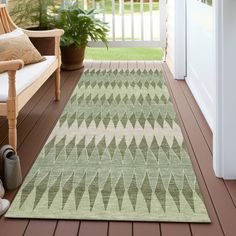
x=224 y=130
x=224 y=160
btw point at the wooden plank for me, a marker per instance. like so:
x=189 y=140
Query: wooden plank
x=120 y=229
x=12 y=227
x=175 y=229
x=149 y=65
x=148 y=229
x=3 y=109
x=157 y=65
x=123 y=65
x=197 y=229
x=213 y=229
x=202 y=123
x=96 y=65
x=141 y=65
x=41 y=227
x=105 y=65
x=67 y=228
x=90 y=65
x=225 y=209
x=114 y=65
x=2 y=121
x=132 y=65
x=231 y=186
x=97 y=228
x=87 y=64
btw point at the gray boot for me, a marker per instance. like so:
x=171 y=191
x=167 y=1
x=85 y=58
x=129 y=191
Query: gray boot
x=12 y=177
x=2 y=190
x=12 y=172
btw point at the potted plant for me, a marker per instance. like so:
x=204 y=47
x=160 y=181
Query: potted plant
x=80 y=26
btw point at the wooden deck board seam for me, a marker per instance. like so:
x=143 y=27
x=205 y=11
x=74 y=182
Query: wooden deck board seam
x=56 y=228
x=203 y=134
x=228 y=190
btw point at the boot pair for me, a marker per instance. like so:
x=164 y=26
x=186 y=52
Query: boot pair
x=10 y=166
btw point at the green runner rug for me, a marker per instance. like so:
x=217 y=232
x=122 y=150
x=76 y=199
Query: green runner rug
x=116 y=153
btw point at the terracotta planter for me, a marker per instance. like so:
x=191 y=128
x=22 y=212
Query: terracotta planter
x=72 y=57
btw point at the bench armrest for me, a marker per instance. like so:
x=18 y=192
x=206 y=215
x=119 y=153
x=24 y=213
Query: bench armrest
x=44 y=33
x=12 y=65
x=46 y=41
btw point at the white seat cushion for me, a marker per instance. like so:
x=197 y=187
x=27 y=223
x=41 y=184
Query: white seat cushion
x=24 y=77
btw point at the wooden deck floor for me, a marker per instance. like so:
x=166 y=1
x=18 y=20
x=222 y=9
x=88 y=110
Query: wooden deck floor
x=38 y=118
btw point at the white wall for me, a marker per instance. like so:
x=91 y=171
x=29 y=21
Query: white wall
x=170 y=25
x=176 y=45
x=201 y=56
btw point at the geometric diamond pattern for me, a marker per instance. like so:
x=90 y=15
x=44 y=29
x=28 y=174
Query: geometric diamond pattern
x=53 y=190
x=160 y=192
x=147 y=192
x=174 y=192
x=120 y=191
x=93 y=191
x=133 y=148
x=188 y=192
x=106 y=191
x=41 y=189
x=133 y=192
x=79 y=190
x=27 y=189
x=116 y=153
x=144 y=148
x=67 y=189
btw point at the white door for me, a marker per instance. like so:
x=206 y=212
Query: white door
x=200 y=55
